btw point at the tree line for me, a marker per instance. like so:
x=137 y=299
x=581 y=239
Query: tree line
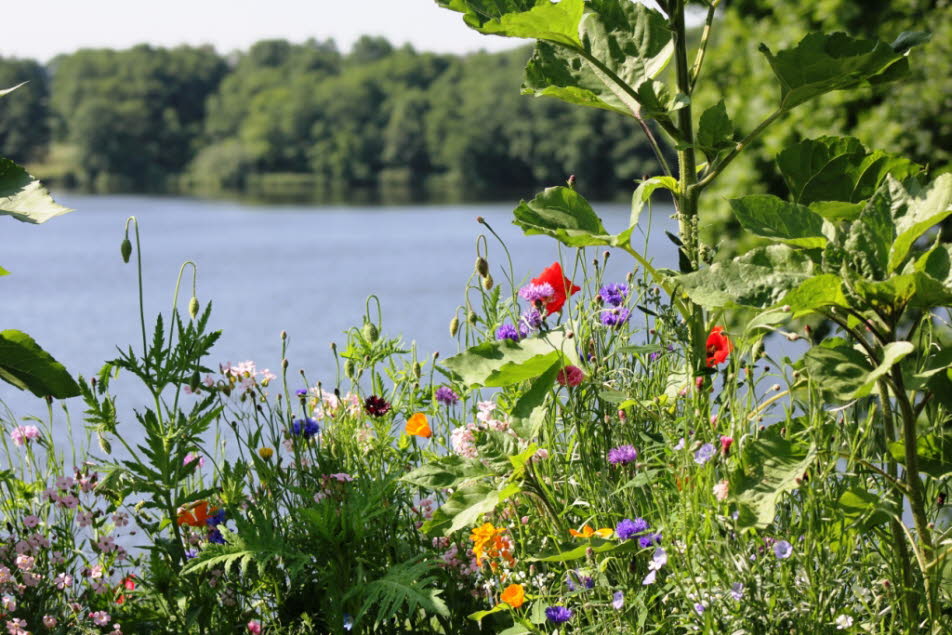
x=306 y=117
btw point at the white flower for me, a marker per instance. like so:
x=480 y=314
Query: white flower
x=843 y=622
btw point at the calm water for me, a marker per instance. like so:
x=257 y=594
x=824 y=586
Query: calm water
x=307 y=270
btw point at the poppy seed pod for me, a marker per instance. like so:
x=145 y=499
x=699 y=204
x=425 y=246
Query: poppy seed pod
x=349 y=368
x=125 y=249
x=471 y=317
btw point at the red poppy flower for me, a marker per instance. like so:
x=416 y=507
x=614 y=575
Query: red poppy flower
x=129 y=584
x=195 y=515
x=718 y=347
x=563 y=287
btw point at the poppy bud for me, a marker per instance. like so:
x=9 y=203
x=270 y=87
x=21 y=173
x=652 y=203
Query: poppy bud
x=417 y=370
x=471 y=317
x=193 y=307
x=482 y=267
x=104 y=444
x=194 y=381
x=349 y=368
x=488 y=282
x=454 y=326
x=370 y=332
x=125 y=249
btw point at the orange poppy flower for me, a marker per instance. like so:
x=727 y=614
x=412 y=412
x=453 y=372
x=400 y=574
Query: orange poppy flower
x=417 y=425
x=588 y=532
x=513 y=595
x=195 y=515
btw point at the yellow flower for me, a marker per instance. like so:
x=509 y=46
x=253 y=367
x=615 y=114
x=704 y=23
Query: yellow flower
x=417 y=425
x=513 y=595
x=266 y=453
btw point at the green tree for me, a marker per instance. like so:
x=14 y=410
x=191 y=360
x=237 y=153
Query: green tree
x=24 y=118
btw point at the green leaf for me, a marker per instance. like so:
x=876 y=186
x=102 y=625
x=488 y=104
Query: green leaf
x=22 y=196
x=643 y=194
x=564 y=214
x=715 y=131
x=814 y=293
x=569 y=551
x=934 y=452
x=7 y=91
x=836 y=211
x=846 y=373
x=529 y=412
x=773 y=467
x=838 y=169
x=533 y=19
x=937 y=263
x=28 y=367
x=4 y=272
x=502 y=607
x=771 y=217
x=823 y=63
x=909 y=39
x=445 y=472
x=916 y=290
x=625 y=45
x=757 y=279
x=502 y=363
x=465 y=506
x=921 y=214
x=866 y=510
x=871 y=235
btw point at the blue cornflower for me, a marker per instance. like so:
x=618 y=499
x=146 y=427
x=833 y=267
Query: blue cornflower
x=575 y=580
x=783 y=549
x=618 y=600
x=301 y=392
x=622 y=455
x=558 y=614
x=628 y=528
x=216 y=519
x=613 y=294
x=509 y=332
x=191 y=553
x=215 y=536
x=649 y=540
x=446 y=396
x=704 y=454
x=307 y=427
x=615 y=317
x=737 y=590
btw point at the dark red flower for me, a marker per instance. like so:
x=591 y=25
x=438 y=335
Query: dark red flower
x=563 y=287
x=570 y=376
x=726 y=443
x=376 y=406
x=129 y=584
x=718 y=347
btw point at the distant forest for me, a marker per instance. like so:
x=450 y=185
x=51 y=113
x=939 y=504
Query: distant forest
x=306 y=119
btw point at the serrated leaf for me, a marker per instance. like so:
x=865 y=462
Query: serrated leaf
x=822 y=63
x=465 y=506
x=23 y=197
x=28 y=367
x=502 y=363
x=918 y=216
x=775 y=465
x=533 y=19
x=715 y=131
x=564 y=214
x=771 y=217
x=837 y=368
x=757 y=279
x=838 y=169
x=814 y=293
x=529 y=412
x=445 y=472
x=915 y=290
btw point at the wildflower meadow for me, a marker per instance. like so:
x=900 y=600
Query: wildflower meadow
x=754 y=443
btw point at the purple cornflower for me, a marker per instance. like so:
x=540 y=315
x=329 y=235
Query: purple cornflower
x=704 y=454
x=649 y=540
x=532 y=319
x=216 y=519
x=618 y=600
x=652 y=357
x=537 y=292
x=308 y=427
x=214 y=536
x=509 y=332
x=699 y=608
x=558 y=614
x=301 y=392
x=615 y=317
x=628 y=528
x=737 y=590
x=446 y=396
x=622 y=455
x=191 y=553
x=613 y=294
x=575 y=581
x=783 y=549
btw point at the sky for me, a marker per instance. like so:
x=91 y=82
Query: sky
x=51 y=27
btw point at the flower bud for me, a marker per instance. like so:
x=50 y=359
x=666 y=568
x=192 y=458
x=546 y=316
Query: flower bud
x=266 y=453
x=125 y=249
x=482 y=267
x=471 y=317
x=104 y=444
x=417 y=370
x=193 y=307
x=488 y=282
x=454 y=326
x=370 y=332
x=349 y=368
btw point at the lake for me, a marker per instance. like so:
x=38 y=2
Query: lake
x=267 y=268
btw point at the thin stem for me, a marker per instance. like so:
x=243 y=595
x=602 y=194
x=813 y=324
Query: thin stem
x=702 y=48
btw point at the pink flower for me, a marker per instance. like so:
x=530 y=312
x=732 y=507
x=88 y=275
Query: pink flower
x=24 y=562
x=49 y=621
x=570 y=376
x=23 y=434
x=254 y=626
x=120 y=519
x=31 y=521
x=69 y=501
x=65 y=482
x=5 y=575
x=342 y=477
x=85 y=519
x=9 y=603
x=39 y=541
x=721 y=490
x=191 y=457
x=726 y=443
x=95 y=571
x=31 y=579
x=100 y=618
x=106 y=544
x=63 y=581
x=16 y=626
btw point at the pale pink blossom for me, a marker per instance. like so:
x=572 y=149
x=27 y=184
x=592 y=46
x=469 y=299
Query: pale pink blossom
x=9 y=603
x=31 y=579
x=254 y=627
x=192 y=457
x=39 y=541
x=23 y=546
x=85 y=519
x=721 y=490
x=463 y=442
x=63 y=581
x=100 y=618
x=23 y=434
x=65 y=482
x=16 y=626
x=120 y=519
x=25 y=562
x=5 y=575
x=31 y=521
x=49 y=621
x=106 y=544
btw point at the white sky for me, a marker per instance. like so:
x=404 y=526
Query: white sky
x=51 y=27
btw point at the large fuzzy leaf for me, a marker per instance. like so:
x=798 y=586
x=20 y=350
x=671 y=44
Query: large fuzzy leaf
x=501 y=363
x=822 y=63
x=28 y=367
x=532 y=19
x=771 y=217
x=23 y=197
